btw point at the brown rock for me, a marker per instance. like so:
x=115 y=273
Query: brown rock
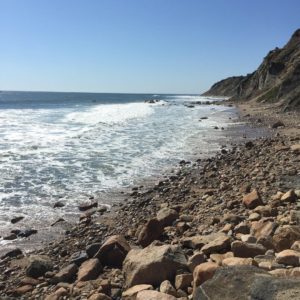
x=252 y=199
x=263 y=228
x=241 y=249
x=153 y=295
x=196 y=259
x=242 y=228
x=289 y=196
x=66 y=274
x=99 y=296
x=285 y=236
x=23 y=289
x=150 y=232
x=203 y=272
x=218 y=258
x=183 y=281
x=131 y=293
x=288 y=257
x=113 y=252
x=296 y=148
x=220 y=244
x=153 y=264
x=296 y=246
x=89 y=270
x=238 y=261
x=166 y=216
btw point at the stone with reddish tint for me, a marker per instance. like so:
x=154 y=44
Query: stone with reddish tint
x=289 y=196
x=166 y=216
x=285 y=236
x=89 y=270
x=196 y=259
x=220 y=244
x=66 y=274
x=150 y=232
x=204 y=272
x=252 y=200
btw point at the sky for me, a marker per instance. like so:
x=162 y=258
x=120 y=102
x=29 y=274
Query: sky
x=137 y=46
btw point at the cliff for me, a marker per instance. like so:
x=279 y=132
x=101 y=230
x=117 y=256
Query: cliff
x=277 y=79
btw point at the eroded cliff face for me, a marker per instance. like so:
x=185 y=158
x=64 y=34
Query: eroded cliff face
x=277 y=79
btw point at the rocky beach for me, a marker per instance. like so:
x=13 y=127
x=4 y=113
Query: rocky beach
x=226 y=226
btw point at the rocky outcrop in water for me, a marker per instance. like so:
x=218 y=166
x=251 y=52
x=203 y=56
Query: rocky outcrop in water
x=276 y=80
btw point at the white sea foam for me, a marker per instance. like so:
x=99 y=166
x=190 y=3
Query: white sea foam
x=71 y=153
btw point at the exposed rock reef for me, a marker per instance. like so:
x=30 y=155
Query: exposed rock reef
x=277 y=79
x=225 y=227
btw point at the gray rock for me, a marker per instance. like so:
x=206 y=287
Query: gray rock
x=38 y=266
x=247 y=282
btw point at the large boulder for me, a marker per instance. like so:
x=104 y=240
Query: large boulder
x=113 y=252
x=38 y=266
x=285 y=236
x=150 y=232
x=244 y=283
x=153 y=264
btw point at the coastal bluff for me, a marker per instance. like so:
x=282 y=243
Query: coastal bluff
x=276 y=80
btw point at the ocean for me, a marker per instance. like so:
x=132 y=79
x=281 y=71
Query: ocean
x=71 y=146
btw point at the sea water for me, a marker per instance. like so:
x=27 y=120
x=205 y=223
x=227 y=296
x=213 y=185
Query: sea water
x=71 y=146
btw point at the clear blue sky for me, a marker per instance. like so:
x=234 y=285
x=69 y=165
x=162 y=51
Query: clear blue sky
x=155 y=46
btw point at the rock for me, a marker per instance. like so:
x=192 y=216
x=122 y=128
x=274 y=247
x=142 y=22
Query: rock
x=153 y=295
x=246 y=282
x=220 y=244
x=167 y=288
x=166 y=216
x=196 y=259
x=78 y=258
x=289 y=196
x=252 y=200
x=296 y=148
x=27 y=232
x=285 y=236
x=87 y=205
x=23 y=290
x=231 y=218
x=58 y=204
x=89 y=270
x=10 y=237
x=38 y=266
x=203 y=272
x=99 y=296
x=153 y=264
x=16 y=219
x=198 y=241
x=150 y=232
x=218 y=258
x=248 y=238
x=263 y=228
x=241 y=249
x=92 y=249
x=67 y=274
x=131 y=293
x=277 y=124
x=183 y=281
x=288 y=257
x=242 y=228
x=12 y=253
x=296 y=246
x=254 y=217
x=238 y=261
x=113 y=252
x=266 y=211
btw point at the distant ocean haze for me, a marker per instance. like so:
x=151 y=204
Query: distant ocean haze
x=71 y=146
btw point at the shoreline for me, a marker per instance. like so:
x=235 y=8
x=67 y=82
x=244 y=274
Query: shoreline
x=201 y=192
